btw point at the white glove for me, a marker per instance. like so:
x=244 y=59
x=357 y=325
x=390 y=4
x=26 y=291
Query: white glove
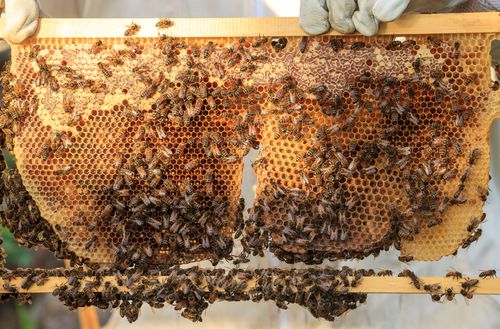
x=21 y=19
x=317 y=16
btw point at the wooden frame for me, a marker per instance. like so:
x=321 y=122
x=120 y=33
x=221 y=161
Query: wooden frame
x=236 y=27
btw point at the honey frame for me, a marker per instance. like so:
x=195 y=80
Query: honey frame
x=211 y=27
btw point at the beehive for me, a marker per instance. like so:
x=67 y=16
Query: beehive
x=313 y=107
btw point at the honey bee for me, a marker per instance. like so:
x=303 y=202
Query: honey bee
x=414 y=279
x=53 y=84
x=68 y=105
x=405 y=258
x=132 y=29
x=394 y=45
x=164 y=23
x=357 y=45
x=230 y=159
x=303 y=44
x=336 y=44
x=191 y=165
x=104 y=70
x=432 y=288
x=473 y=225
x=456 y=50
x=97 y=47
x=470 y=78
x=34 y=51
x=488 y=274
x=259 y=42
x=454 y=274
x=279 y=44
x=75 y=119
x=473 y=156
x=89 y=245
x=209 y=180
x=470 y=284
x=437 y=74
x=63 y=170
x=208 y=49
x=483 y=193
x=474 y=237
x=384 y=272
x=434 y=41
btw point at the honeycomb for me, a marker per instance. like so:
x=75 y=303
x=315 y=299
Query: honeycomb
x=132 y=147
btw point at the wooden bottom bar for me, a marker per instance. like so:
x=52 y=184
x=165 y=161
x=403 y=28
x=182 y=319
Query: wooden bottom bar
x=370 y=285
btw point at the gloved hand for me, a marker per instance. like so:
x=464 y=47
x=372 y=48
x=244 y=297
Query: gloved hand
x=317 y=16
x=21 y=19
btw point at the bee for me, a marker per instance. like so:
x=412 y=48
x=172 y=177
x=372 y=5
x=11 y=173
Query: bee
x=437 y=74
x=473 y=156
x=68 y=105
x=483 y=193
x=89 y=245
x=191 y=165
x=63 y=170
x=384 y=272
x=488 y=274
x=454 y=274
x=432 y=288
x=473 y=225
x=279 y=44
x=208 y=49
x=434 y=41
x=495 y=85
x=470 y=78
x=97 y=47
x=259 y=42
x=357 y=45
x=164 y=23
x=358 y=276
x=303 y=44
x=337 y=44
x=230 y=159
x=456 y=50
x=104 y=70
x=444 y=204
x=34 y=51
x=209 y=180
x=53 y=84
x=470 y=284
x=474 y=237
x=449 y=294
x=414 y=279
x=132 y=29
x=405 y=258
x=394 y=45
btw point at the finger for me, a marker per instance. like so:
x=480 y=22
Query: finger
x=389 y=10
x=340 y=15
x=21 y=20
x=365 y=23
x=314 y=16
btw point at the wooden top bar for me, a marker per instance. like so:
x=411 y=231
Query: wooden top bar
x=271 y=26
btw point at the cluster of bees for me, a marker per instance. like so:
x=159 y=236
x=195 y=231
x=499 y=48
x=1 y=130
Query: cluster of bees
x=324 y=292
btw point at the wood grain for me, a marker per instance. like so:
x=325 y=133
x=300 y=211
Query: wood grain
x=370 y=285
x=270 y=26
